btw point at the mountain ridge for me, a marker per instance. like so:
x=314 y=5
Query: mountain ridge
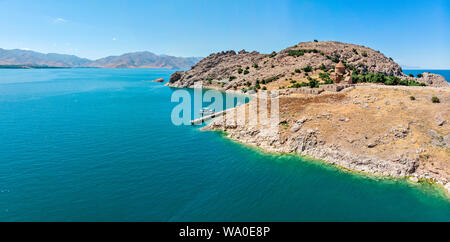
x=139 y=59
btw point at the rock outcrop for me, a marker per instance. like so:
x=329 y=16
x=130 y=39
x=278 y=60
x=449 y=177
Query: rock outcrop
x=433 y=80
x=159 y=80
x=226 y=70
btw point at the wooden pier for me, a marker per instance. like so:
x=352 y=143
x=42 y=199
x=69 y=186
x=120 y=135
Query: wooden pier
x=207 y=117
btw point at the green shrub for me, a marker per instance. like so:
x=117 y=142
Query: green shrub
x=411 y=75
x=323 y=67
x=412 y=98
x=296 y=53
x=273 y=54
x=419 y=75
x=307 y=68
x=264 y=88
x=240 y=70
x=244 y=90
x=246 y=72
x=248 y=83
x=435 y=100
x=355 y=51
x=232 y=78
x=269 y=80
x=273 y=66
x=364 y=54
x=255 y=66
x=316 y=41
x=313 y=83
x=297 y=71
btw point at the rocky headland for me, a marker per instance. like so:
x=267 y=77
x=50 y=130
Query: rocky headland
x=385 y=122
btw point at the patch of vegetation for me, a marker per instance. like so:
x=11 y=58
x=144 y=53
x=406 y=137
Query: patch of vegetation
x=333 y=59
x=232 y=78
x=412 y=98
x=411 y=75
x=264 y=88
x=307 y=68
x=355 y=51
x=244 y=90
x=246 y=72
x=384 y=79
x=269 y=80
x=273 y=66
x=298 y=71
x=323 y=67
x=419 y=75
x=255 y=66
x=313 y=83
x=326 y=78
x=273 y=54
x=240 y=70
x=316 y=41
x=435 y=99
x=301 y=52
x=364 y=54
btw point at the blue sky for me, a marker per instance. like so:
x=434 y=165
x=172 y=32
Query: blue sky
x=414 y=33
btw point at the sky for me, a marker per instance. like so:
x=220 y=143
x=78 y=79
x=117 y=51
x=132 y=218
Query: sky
x=416 y=34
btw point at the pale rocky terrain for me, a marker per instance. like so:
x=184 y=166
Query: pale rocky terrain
x=367 y=128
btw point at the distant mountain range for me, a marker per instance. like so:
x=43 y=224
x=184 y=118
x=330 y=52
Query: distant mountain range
x=143 y=59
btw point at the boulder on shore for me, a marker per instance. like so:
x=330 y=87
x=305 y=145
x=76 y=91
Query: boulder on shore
x=158 y=80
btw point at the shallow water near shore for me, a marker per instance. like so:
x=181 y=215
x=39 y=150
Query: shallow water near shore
x=99 y=145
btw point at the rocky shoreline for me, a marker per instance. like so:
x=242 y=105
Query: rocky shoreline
x=403 y=147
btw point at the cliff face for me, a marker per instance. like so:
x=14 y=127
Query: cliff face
x=229 y=69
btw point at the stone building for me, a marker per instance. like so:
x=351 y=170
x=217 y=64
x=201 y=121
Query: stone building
x=339 y=75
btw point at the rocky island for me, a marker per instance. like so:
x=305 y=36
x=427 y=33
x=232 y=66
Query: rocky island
x=346 y=104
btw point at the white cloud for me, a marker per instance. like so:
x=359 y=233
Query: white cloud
x=114 y=39
x=60 y=20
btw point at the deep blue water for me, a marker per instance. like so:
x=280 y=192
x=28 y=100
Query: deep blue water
x=99 y=145
x=444 y=73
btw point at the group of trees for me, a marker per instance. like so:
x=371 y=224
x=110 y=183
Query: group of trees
x=384 y=79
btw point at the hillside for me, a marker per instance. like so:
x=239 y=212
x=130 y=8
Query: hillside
x=31 y=59
x=231 y=70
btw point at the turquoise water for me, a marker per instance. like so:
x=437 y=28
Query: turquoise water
x=98 y=145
